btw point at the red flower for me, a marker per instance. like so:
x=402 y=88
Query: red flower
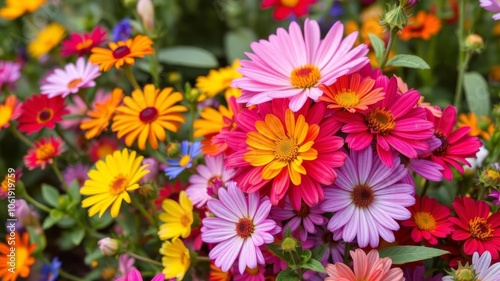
x=480 y=230
x=82 y=43
x=167 y=191
x=286 y=7
x=44 y=152
x=455 y=145
x=429 y=220
x=102 y=147
x=41 y=111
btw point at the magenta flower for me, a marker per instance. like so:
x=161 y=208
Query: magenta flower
x=239 y=227
x=293 y=65
x=367 y=199
x=495 y=194
x=9 y=73
x=135 y=275
x=125 y=266
x=492 y=6
x=77 y=172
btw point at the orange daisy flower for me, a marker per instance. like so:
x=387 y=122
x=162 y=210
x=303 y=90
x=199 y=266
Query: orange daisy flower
x=23 y=260
x=482 y=127
x=423 y=26
x=98 y=118
x=121 y=53
x=10 y=110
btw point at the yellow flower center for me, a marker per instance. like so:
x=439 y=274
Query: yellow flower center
x=44 y=115
x=185 y=221
x=492 y=174
x=289 y=3
x=84 y=45
x=362 y=195
x=381 y=121
x=5 y=184
x=21 y=257
x=45 y=152
x=465 y=274
x=425 y=221
x=118 y=185
x=184 y=160
x=305 y=77
x=286 y=149
x=480 y=229
x=73 y=83
x=244 y=228
x=347 y=98
x=252 y=271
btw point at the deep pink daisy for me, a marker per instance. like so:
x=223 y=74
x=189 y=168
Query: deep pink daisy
x=293 y=65
x=82 y=43
x=395 y=123
x=9 y=73
x=40 y=111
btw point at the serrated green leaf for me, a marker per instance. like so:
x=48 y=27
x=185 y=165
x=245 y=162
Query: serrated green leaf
x=410 y=61
x=188 y=56
x=237 y=42
x=287 y=275
x=77 y=236
x=315 y=265
x=50 y=195
x=406 y=254
x=477 y=94
x=378 y=45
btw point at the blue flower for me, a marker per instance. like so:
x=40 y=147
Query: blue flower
x=122 y=30
x=188 y=152
x=50 y=272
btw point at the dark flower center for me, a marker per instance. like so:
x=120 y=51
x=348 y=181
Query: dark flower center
x=444 y=145
x=148 y=114
x=480 y=228
x=45 y=115
x=381 y=121
x=303 y=212
x=244 y=228
x=362 y=195
x=121 y=52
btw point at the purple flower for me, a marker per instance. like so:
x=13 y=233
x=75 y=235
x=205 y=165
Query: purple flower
x=135 y=275
x=417 y=274
x=496 y=194
x=26 y=215
x=492 y=6
x=77 y=172
x=50 y=271
x=153 y=167
x=188 y=153
x=9 y=73
x=334 y=250
x=122 y=30
x=125 y=266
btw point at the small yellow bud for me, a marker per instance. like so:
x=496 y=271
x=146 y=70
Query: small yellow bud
x=289 y=244
x=474 y=43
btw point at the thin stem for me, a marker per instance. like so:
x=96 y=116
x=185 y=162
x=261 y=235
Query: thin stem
x=392 y=39
x=144 y=259
x=59 y=175
x=143 y=211
x=203 y=258
x=20 y=136
x=346 y=253
x=424 y=190
x=462 y=64
x=69 y=275
x=60 y=133
x=460 y=81
x=130 y=76
x=34 y=202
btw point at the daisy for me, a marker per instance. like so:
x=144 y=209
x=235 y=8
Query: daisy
x=77 y=109
x=187 y=154
x=239 y=228
x=10 y=72
x=146 y=115
x=175 y=260
x=46 y=39
x=218 y=81
x=428 y=221
x=423 y=25
x=125 y=265
x=40 y=111
x=277 y=71
x=45 y=150
x=216 y=274
x=109 y=182
x=169 y=190
x=81 y=44
x=213 y=170
x=307 y=218
x=287 y=8
x=366 y=267
x=177 y=218
x=365 y=191
x=16 y=8
x=492 y=6
x=281 y=153
x=71 y=79
x=98 y=118
x=135 y=275
x=121 y=53
x=24 y=260
x=481 y=269
x=102 y=147
x=479 y=229
x=9 y=110
x=50 y=272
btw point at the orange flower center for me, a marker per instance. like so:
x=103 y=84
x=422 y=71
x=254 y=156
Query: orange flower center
x=185 y=221
x=286 y=149
x=305 y=77
x=73 y=83
x=289 y=3
x=303 y=212
x=244 y=228
x=45 y=152
x=121 y=52
x=381 y=121
x=347 y=98
x=104 y=150
x=214 y=180
x=148 y=114
x=86 y=43
x=5 y=184
x=480 y=229
x=118 y=185
x=424 y=221
x=252 y=271
x=362 y=195
x=45 y=115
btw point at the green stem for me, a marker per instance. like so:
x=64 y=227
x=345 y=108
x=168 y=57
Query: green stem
x=462 y=65
x=346 y=253
x=202 y=258
x=69 y=275
x=82 y=96
x=34 y=202
x=145 y=213
x=392 y=39
x=60 y=133
x=130 y=76
x=460 y=80
x=86 y=227
x=144 y=259
x=59 y=175
x=424 y=190
x=20 y=136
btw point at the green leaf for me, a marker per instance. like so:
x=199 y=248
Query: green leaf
x=315 y=265
x=305 y=256
x=410 y=61
x=287 y=275
x=406 y=254
x=74 y=192
x=237 y=42
x=318 y=252
x=54 y=217
x=50 y=195
x=276 y=249
x=477 y=94
x=101 y=222
x=77 y=236
x=188 y=56
x=378 y=45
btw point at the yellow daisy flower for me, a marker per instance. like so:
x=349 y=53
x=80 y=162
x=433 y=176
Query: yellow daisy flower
x=482 y=127
x=46 y=40
x=177 y=218
x=175 y=259
x=218 y=81
x=147 y=114
x=23 y=260
x=98 y=118
x=109 y=182
x=9 y=110
x=17 y=8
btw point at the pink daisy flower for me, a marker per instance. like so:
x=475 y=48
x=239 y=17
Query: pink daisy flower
x=213 y=170
x=307 y=218
x=239 y=227
x=367 y=198
x=293 y=65
x=492 y=6
x=71 y=79
x=82 y=43
x=395 y=123
x=9 y=73
x=44 y=152
x=135 y=275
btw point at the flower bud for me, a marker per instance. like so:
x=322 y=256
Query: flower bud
x=490 y=176
x=289 y=244
x=25 y=213
x=108 y=246
x=146 y=11
x=193 y=94
x=465 y=274
x=173 y=149
x=394 y=17
x=146 y=191
x=474 y=43
x=153 y=167
x=129 y=3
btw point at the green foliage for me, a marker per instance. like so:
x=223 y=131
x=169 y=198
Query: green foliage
x=188 y=56
x=50 y=195
x=406 y=254
x=410 y=61
x=237 y=42
x=378 y=45
x=477 y=94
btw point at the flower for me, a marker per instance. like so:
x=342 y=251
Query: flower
x=366 y=267
x=50 y=272
x=394 y=122
x=122 y=30
x=188 y=153
x=76 y=172
x=277 y=71
x=76 y=107
x=135 y=275
x=455 y=145
x=205 y=178
x=4 y=185
x=175 y=260
x=147 y=114
x=9 y=111
x=71 y=79
x=480 y=230
x=40 y=111
x=22 y=261
x=481 y=268
x=177 y=218
x=98 y=118
x=281 y=153
x=482 y=127
x=334 y=250
x=46 y=40
x=102 y=147
x=423 y=25
x=365 y=191
x=46 y=149
x=121 y=53
x=9 y=73
x=16 y=8
x=239 y=228
x=153 y=166
x=216 y=274
x=250 y=274
x=125 y=266
x=307 y=217
x=351 y=93
x=167 y=191
x=146 y=11
x=428 y=221
x=82 y=43
x=108 y=246
x=26 y=214
x=110 y=181
x=495 y=194
x=218 y=81
x=492 y=6
x=285 y=8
